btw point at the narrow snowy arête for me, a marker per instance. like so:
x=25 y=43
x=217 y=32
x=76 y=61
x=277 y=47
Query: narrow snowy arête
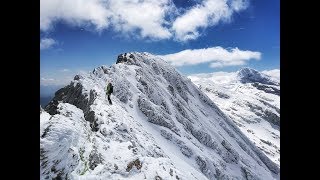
x=160 y=126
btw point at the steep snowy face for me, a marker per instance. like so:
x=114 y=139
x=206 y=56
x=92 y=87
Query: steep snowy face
x=160 y=126
x=252 y=100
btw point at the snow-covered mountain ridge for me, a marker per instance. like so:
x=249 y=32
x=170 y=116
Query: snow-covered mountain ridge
x=160 y=126
x=252 y=100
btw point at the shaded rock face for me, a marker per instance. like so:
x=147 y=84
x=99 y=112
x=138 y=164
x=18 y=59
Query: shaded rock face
x=94 y=159
x=267 y=89
x=219 y=94
x=73 y=94
x=125 y=58
x=272 y=117
x=68 y=93
x=231 y=154
x=205 y=167
x=248 y=174
x=135 y=163
x=121 y=58
x=267 y=114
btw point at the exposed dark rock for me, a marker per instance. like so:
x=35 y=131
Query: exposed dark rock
x=219 y=94
x=166 y=135
x=204 y=138
x=206 y=167
x=231 y=155
x=94 y=159
x=271 y=117
x=171 y=90
x=266 y=88
x=248 y=175
x=77 y=77
x=202 y=164
x=122 y=58
x=73 y=95
x=135 y=163
x=265 y=114
x=185 y=150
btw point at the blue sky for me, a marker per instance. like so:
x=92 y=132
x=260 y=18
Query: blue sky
x=230 y=34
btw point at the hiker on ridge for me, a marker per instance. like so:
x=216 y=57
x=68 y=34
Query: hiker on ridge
x=109 y=90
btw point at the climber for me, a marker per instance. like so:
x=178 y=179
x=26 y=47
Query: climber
x=109 y=90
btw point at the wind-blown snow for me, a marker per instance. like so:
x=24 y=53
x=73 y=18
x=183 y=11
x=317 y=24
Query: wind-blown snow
x=160 y=126
x=253 y=104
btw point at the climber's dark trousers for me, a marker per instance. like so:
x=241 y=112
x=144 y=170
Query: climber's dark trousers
x=109 y=99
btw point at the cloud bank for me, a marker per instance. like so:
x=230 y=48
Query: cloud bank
x=275 y=73
x=216 y=56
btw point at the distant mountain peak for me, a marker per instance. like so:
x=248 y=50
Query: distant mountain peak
x=249 y=75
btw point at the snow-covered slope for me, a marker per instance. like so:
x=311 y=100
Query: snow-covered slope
x=160 y=126
x=252 y=100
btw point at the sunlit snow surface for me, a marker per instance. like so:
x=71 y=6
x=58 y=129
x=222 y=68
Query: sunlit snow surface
x=160 y=126
x=248 y=106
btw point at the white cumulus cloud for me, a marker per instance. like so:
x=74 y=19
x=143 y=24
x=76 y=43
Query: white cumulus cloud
x=74 y=12
x=154 y=19
x=46 y=43
x=216 y=56
x=208 y=13
x=125 y=16
x=146 y=16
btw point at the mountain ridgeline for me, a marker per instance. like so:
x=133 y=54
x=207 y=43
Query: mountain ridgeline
x=160 y=126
